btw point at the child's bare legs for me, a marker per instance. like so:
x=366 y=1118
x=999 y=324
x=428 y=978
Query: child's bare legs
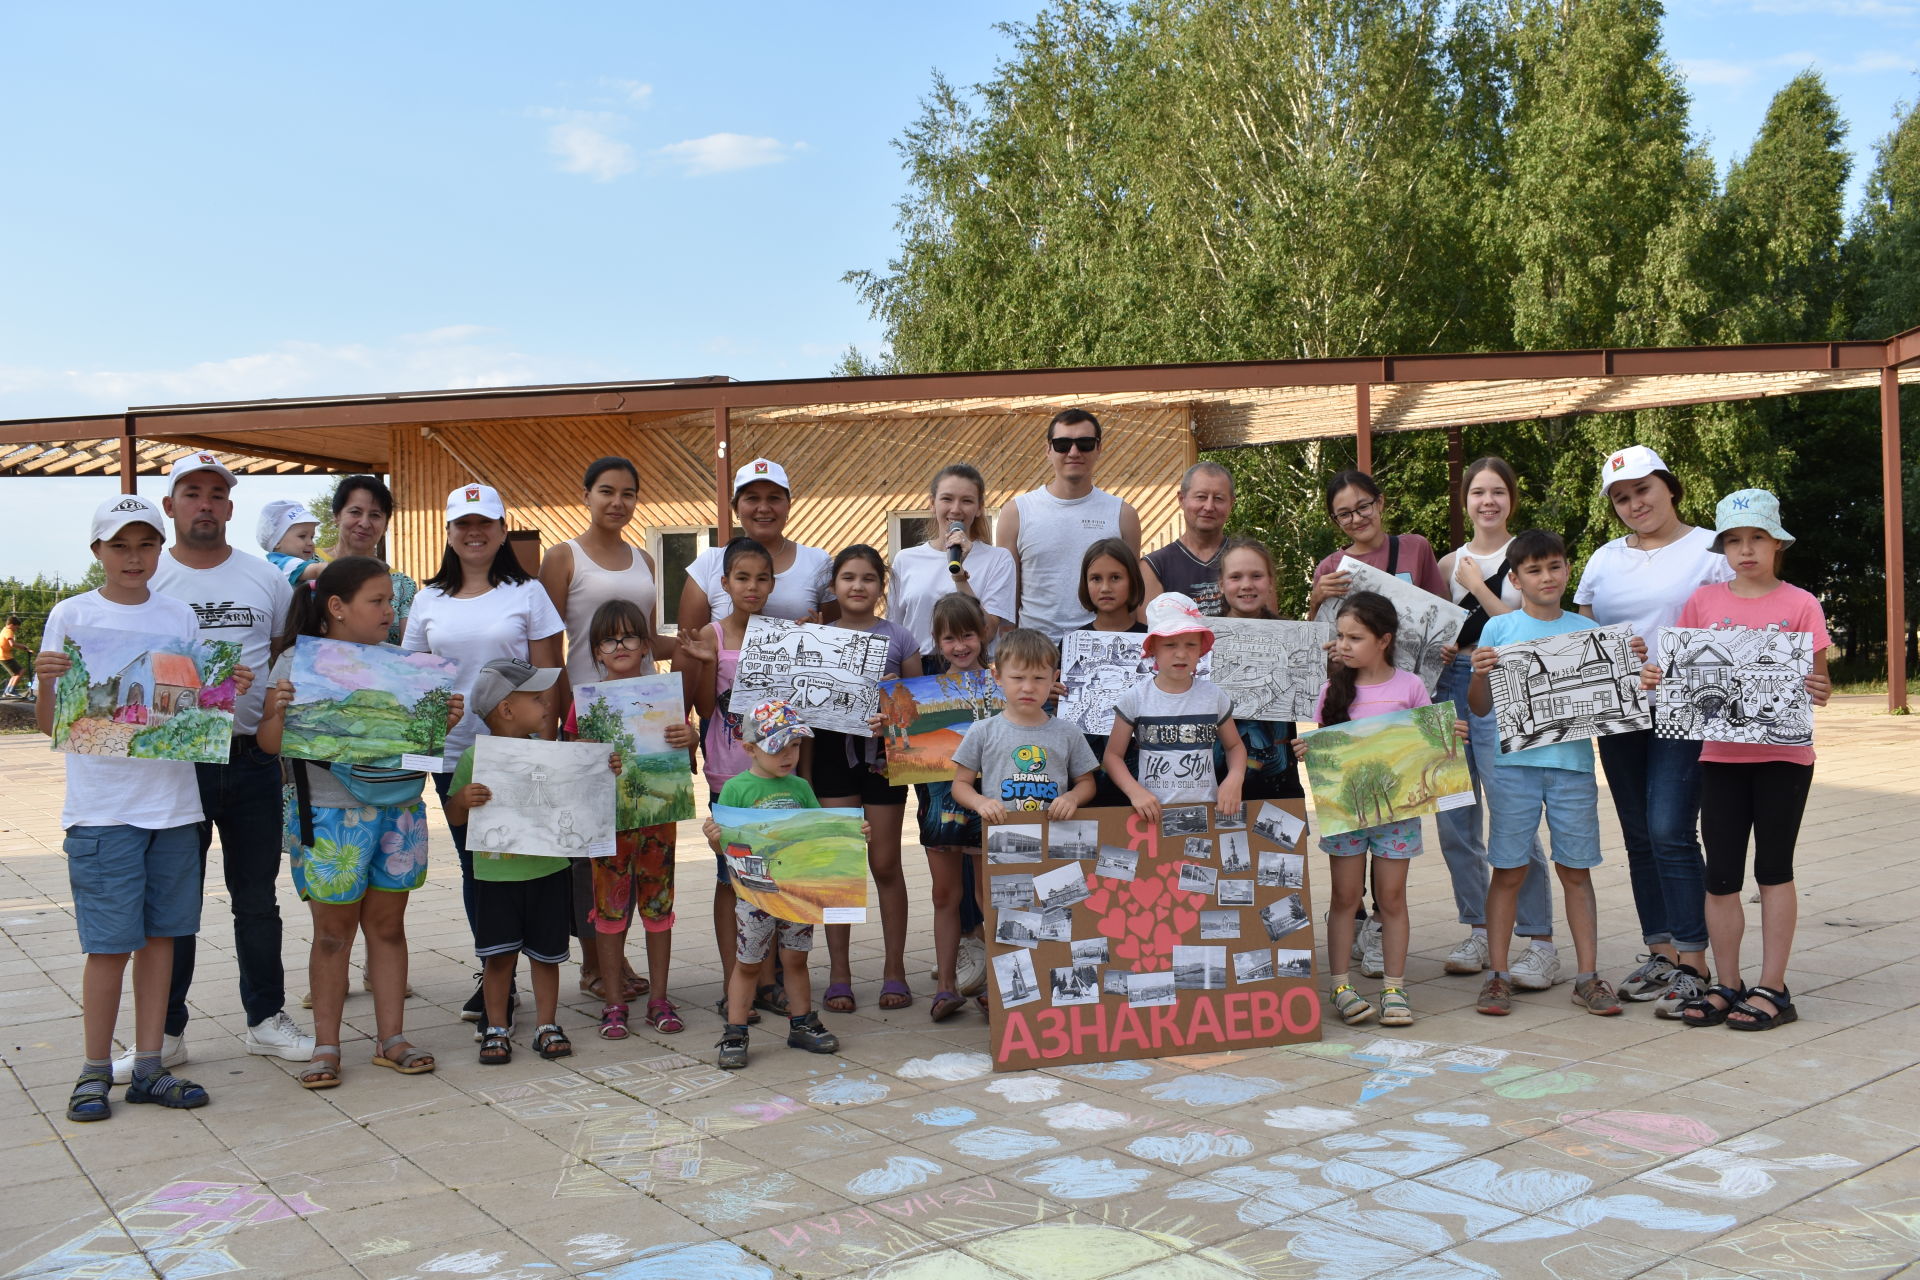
x=100 y=980
x=799 y=984
x=659 y=957
x=1390 y=898
x=726 y=931
x=334 y=926
x=1779 y=916
x=1503 y=903
x=742 y=982
x=609 y=957
x=1583 y=914
x=1726 y=931
x=890 y=883
x=546 y=990
x=383 y=923
x=496 y=979
x=1349 y=877
x=947 y=866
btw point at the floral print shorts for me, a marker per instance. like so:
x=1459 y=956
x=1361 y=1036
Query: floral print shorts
x=353 y=850
x=639 y=876
x=1388 y=840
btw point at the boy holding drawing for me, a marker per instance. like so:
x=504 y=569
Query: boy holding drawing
x=1023 y=760
x=1557 y=777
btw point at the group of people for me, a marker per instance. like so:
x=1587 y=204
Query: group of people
x=969 y=597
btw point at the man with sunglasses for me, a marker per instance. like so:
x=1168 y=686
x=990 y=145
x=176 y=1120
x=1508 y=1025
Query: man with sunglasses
x=1049 y=529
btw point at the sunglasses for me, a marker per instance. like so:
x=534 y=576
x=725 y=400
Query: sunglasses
x=1085 y=444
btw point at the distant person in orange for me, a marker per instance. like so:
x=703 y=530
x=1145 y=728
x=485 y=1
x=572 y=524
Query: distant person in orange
x=9 y=640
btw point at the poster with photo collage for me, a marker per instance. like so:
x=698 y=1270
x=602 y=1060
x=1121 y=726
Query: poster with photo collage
x=1110 y=938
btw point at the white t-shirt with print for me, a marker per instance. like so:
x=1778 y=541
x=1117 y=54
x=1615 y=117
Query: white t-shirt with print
x=1175 y=734
x=1646 y=589
x=112 y=791
x=475 y=630
x=920 y=578
x=244 y=599
x=803 y=587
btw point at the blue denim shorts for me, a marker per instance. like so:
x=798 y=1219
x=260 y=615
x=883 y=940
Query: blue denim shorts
x=130 y=884
x=1516 y=793
x=1397 y=840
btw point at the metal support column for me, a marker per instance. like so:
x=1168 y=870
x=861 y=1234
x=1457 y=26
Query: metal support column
x=1894 y=533
x=1456 y=505
x=723 y=475
x=1363 y=427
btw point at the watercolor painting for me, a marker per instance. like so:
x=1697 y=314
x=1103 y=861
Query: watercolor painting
x=632 y=717
x=1272 y=670
x=831 y=675
x=125 y=697
x=927 y=716
x=804 y=865
x=1578 y=684
x=1735 y=685
x=1428 y=624
x=366 y=704
x=1386 y=768
x=551 y=799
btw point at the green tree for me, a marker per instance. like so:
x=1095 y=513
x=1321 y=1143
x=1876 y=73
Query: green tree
x=70 y=691
x=327 y=534
x=427 y=725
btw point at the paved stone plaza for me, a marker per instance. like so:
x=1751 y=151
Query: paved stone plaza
x=1549 y=1144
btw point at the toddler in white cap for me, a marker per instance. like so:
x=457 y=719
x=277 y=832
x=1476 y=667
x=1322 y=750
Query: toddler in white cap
x=286 y=532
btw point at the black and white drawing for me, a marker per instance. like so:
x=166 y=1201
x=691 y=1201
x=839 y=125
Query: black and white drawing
x=1061 y=887
x=1290 y=962
x=1073 y=839
x=1735 y=685
x=1199 y=848
x=1234 y=893
x=1253 y=966
x=1428 y=624
x=1018 y=929
x=1146 y=990
x=1282 y=870
x=1011 y=893
x=1076 y=984
x=1097 y=667
x=1116 y=863
x=1188 y=821
x=549 y=798
x=1056 y=924
x=1089 y=950
x=1279 y=826
x=1113 y=982
x=1579 y=684
x=1283 y=916
x=1234 y=857
x=1219 y=924
x=1272 y=670
x=1199 y=968
x=1197 y=879
x=831 y=675
x=1014 y=842
x=1013 y=973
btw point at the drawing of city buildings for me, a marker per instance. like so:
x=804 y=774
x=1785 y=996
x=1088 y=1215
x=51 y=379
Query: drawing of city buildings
x=1580 y=684
x=1272 y=670
x=1735 y=685
x=831 y=675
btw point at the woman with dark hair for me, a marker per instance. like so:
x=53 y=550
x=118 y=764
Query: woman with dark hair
x=481 y=605
x=1643 y=579
x=802 y=587
x=362 y=509
x=928 y=570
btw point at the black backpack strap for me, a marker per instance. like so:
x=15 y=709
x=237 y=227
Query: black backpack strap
x=1393 y=554
x=305 y=802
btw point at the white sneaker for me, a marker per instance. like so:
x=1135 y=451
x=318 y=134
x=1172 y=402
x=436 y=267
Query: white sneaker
x=1360 y=937
x=280 y=1037
x=970 y=966
x=1470 y=956
x=1372 y=962
x=1686 y=987
x=173 y=1052
x=1537 y=969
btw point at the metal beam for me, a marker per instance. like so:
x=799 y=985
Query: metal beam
x=723 y=475
x=1363 y=427
x=1894 y=533
x=333 y=466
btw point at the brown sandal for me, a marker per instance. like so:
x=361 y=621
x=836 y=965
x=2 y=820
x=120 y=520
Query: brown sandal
x=323 y=1069
x=408 y=1062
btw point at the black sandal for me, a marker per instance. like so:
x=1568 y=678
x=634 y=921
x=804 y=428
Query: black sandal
x=496 y=1047
x=89 y=1101
x=1784 y=1012
x=550 y=1042
x=1711 y=1015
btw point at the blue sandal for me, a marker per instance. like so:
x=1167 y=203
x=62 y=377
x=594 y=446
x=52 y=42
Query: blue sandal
x=168 y=1090
x=88 y=1101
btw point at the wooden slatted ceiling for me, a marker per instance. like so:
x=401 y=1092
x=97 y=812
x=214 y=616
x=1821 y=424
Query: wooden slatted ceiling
x=102 y=458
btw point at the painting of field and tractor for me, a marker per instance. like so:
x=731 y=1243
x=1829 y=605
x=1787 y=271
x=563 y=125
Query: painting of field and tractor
x=125 y=696
x=804 y=865
x=927 y=716
x=366 y=704
x=1386 y=768
x=632 y=716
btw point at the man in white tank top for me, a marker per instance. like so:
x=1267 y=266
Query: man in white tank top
x=1049 y=529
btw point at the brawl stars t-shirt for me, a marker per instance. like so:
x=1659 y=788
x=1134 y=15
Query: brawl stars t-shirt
x=1025 y=767
x=1175 y=733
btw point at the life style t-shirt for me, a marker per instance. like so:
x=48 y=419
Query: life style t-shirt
x=1176 y=734
x=1024 y=767
x=1785 y=608
x=473 y=631
x=242 y=599
x=1512 y=628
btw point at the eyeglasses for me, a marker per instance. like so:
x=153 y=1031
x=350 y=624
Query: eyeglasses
x=629 y=643
x=1359 y=511
x=1085 y=444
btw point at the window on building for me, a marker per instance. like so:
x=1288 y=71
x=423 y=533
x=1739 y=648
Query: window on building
x=673 y=550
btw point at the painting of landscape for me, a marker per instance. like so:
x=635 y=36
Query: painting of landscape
x=632 y=716
x=125 y=696
x=804 y=865
x=1386 y=768
x=927 y=716
x=366 y=704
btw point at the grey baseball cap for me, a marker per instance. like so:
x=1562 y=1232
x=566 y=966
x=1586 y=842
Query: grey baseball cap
x=503 y=676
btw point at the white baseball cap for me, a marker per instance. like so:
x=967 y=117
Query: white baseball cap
x=1630 y=463
x=199 y=460
x=475 y=499
x=279 y=516
x=115 y=514
x=761 y=469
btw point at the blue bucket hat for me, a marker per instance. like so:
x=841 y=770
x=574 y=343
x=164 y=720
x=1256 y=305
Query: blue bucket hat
x=1749 y=509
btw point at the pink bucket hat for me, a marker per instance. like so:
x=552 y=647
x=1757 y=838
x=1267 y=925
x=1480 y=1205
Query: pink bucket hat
x=1173 y=614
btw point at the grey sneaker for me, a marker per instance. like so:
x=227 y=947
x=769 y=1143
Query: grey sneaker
x=733 y=1052
x=1686 y=985
x=1496 y=998
x=1653 y=976
x=1470 y=956
x=1537 y=969
x=812 y=1037
x=1373 y=961
x=1596 y=996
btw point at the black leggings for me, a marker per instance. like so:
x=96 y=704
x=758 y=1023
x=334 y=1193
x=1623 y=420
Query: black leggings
x=1762 y=800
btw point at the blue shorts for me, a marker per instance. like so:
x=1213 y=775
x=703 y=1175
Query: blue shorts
x=353 y=850
x=1397 y=840
x=130 y=884
x=1516 y=793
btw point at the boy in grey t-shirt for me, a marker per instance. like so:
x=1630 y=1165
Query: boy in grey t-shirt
x=1023 y=760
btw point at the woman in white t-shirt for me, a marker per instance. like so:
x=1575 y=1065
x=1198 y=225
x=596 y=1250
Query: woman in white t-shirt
x=922 y=573
x=481 y=605
x=1476 y=578
x=1642 y=580
x=802 y=575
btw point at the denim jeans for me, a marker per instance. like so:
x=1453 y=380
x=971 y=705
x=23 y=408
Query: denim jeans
x=1461 y=841
x=1656 y=793
x=442 y=783
x=242 y=801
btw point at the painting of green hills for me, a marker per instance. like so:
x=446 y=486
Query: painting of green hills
x=804 y=865
x=366 y=704
x=1386 y=768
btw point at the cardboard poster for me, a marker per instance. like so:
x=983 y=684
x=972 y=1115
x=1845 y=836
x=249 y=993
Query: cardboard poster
x=126 y=696
x=1387 y=768
x=632 y=715
x=1179 y=937
x=368 y=704
x=927 y=716
x=804 y=865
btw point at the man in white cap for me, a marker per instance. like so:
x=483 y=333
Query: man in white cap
x=1050 y=529
x=243 y=599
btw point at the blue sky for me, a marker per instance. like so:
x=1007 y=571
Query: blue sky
x=220 y=201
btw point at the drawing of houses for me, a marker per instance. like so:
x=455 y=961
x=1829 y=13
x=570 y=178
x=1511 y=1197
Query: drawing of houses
x=165 y=682
x=1579 y=684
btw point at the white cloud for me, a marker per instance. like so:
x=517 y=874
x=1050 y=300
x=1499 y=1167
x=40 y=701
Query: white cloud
x=1714 y=71
x=633 y=92
x=1724 y=74
x=726 y=152
x=588 y=149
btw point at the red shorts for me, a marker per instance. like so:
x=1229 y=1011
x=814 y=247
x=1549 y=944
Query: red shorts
x=639 y=876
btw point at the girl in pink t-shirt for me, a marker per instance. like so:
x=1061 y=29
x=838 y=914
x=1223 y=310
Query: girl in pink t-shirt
x=1362 y=681
x=1753 y=790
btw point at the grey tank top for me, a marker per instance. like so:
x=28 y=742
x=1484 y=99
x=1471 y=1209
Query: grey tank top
x=1199 y=580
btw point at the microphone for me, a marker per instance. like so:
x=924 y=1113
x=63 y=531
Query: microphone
x=955 y=554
